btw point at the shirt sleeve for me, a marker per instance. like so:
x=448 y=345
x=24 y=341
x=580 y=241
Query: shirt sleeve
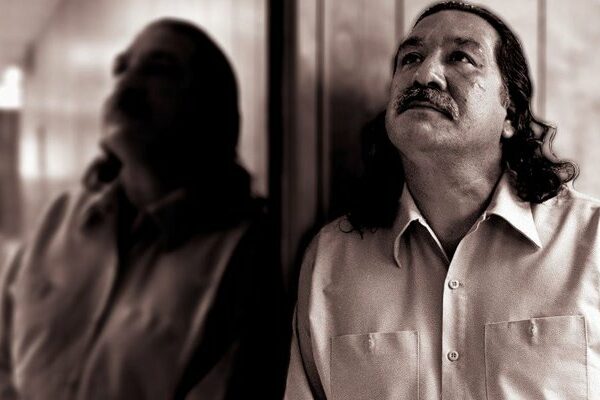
x=7 y=273
x=303 y=381
x=297 y=385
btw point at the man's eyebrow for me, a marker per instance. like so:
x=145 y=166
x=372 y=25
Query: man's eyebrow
x=467 y=42
x=412 y=41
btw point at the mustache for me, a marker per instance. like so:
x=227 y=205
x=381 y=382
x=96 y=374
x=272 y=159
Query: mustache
x=439 y=100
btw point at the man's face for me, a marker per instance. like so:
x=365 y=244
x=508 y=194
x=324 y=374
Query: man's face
x=149 y=105
x=446 y=93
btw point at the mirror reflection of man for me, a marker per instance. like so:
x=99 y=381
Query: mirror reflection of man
x=153 y=280
x=468 y=269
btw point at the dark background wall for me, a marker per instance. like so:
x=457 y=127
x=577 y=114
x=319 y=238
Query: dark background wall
x=311 y=73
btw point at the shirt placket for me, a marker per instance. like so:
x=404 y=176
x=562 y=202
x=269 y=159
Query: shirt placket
x=106 y=282
x=455 y=349
x=453 y=328
x=75 y=356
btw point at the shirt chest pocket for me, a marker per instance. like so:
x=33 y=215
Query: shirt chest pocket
x=375 y=366
x=538 y=358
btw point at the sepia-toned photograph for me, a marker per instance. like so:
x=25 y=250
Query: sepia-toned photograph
x=299 y=200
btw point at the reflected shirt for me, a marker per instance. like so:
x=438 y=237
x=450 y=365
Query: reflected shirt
x=108 y=303
x=515 y=314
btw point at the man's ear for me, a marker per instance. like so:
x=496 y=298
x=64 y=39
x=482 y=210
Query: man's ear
x=508 y=130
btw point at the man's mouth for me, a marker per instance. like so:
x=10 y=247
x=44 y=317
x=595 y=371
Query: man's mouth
x=120 y=119
x=419 y=104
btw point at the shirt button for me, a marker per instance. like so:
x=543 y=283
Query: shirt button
x=453 y=284
x=453 y=355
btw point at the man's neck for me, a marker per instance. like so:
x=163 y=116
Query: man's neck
x=451 y=193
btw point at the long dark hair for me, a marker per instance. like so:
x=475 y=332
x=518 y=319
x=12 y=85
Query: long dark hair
x=213 y=76
x=536 y=173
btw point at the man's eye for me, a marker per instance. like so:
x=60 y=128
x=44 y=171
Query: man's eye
x=461 y=57
x=410 y=58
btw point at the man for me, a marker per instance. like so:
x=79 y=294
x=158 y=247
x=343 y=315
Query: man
x=153 y=281
x=467 y=270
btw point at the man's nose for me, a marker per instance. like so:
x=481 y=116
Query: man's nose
x=431 y=73
x=129 y=79
x=128 y=95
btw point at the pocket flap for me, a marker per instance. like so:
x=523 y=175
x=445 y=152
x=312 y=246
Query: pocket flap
x=381 y=365
x=537 y=358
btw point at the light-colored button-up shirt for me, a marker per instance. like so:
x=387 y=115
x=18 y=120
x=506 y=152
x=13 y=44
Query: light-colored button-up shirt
x=515 y=314
x=91 y=313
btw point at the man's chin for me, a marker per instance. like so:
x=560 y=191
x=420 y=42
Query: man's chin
x=405 y=128
x=132 y=147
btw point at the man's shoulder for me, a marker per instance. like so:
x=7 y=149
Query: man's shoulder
x=572 y=213
x=571 y=200
x=340 y=237
x=71 y=206
x=341 y=230
x=581 y=198
x=73 y=197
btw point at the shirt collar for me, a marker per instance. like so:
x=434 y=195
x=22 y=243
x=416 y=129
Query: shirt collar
x=505 y=204
x=177 y=215
x=408 y=213
x=173 y=214
x=103 y=201
x=168 y=213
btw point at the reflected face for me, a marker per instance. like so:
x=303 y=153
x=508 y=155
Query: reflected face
x=151 y=95
x=447 y=92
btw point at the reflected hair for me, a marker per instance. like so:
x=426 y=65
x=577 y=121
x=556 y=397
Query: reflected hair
x=534 y=170
x=214 y=78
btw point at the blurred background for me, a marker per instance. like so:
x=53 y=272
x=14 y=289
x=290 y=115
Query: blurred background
x=310 y=73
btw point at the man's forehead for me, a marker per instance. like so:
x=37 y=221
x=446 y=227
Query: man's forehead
x=453 y=26
x=160 y=41
x=460 y=41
